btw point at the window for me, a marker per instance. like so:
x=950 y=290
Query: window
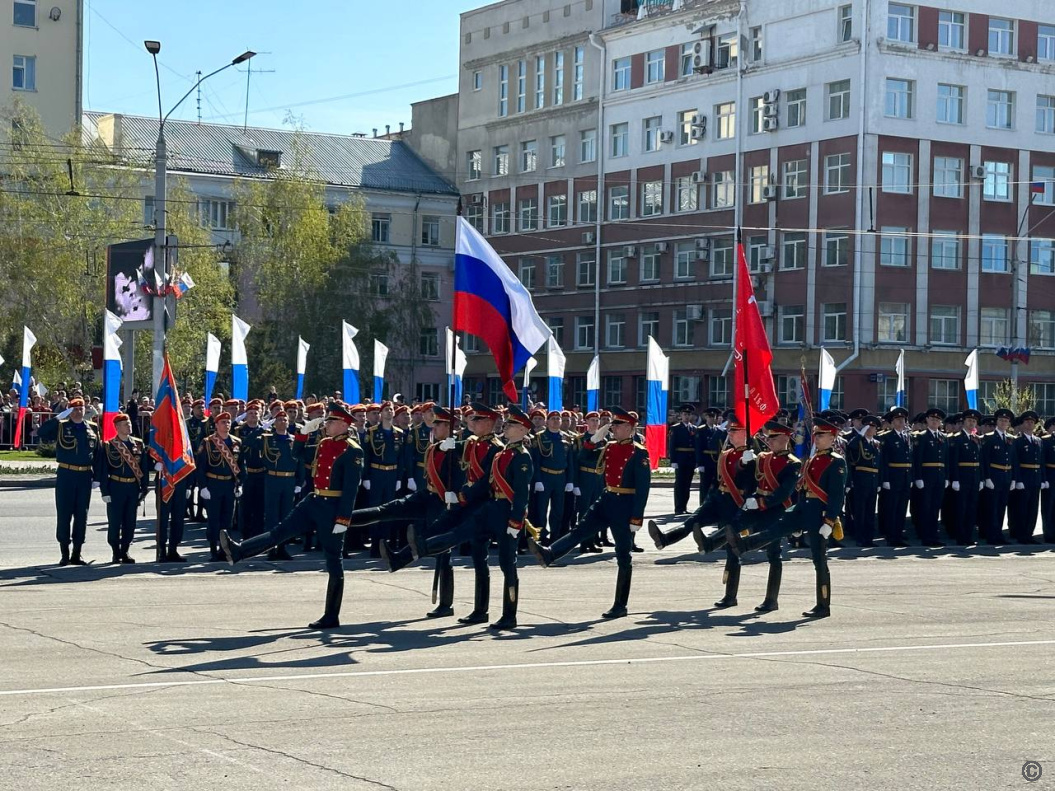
x=995 y=251
x=474 y=164
x=836 y=248
x=528 y=156
x=471 y=343
x=685 y=62
x=686 y=119
x=722 y=257
x=615 y=331
x=149 y=212
x=686 y=388
x=945 y=325
x=26 y=13
x=501 y=160
x=654 y=66
x=556 y=151
x=997 y=185
x=893 y=322
x=619 y=203
x=759 y=180
x=836 y=174
x=793 y=251
x=1046 y=115
x=380 y=225
x=474 y=215
x=651 y=198
x=554 y=271
x=430 y=286
x=585 y=268
x=620 y=134
x=427 y=391
x=726 y=115
x=500 y=217
x=791 y=324
x=584 y=332
x=728 y=51
x=1000 y=110
x=756 y=115
x=796 y=101
x=588 y=145
x=216 y=214
x=718 y=391
x=1042 y=256
x=556 y=211
x=651 y=132
x=526 y=273
x=621 y=74
x=1042 y=330
x=1045 y=42
x=612 y=389
x=578 y=73
x=901 y=23
x=887 y=394
x=521 y=86
x=430 y=230
x=688 y=193
x=649 y=272
x=617 y=267
x=948 y=177
x=558 y=78
x=1043 y=396
x=796 y=178
x=556 y=326
x=993 y=327
x=944 y=394
x=834 y=321
x=894 y=247
x=503 y=91
x=950 y=104
x=684 y=328
x=540 y=82
x=428 y=344
x=24 y=74
x=952 y=32
x=899 y=97
x=1001 y=36
x=846 y=23
x=945 y=250
x=897 y=172
x=647 y=324
x=685 y=256
x=379 y=284
x=586 y=202
x=721 y=333
x=527 y=214
x=724 y=185
x=838 y=99
x=478 y=80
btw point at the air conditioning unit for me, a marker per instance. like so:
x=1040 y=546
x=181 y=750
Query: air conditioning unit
x=698 y=129
x=769 y=253
x=765 y=308
x=589 y=237
x=770 y=124
x=763 y=269
x=666 y=137
x=662 y=247
x=476 y=200
x=630 y=251
x=771 y=97
x=703 y=243
x=770 y=111
x=770 y=192
x=978 y=172
x=699 y=177
x=694 y=312
x=701 y=56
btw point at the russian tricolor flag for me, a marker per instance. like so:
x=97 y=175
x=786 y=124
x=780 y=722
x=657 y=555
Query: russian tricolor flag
x=239 y=362
x=900 y=396
x=555 y=364
x=184 y=284
x=212 y=365
x=350 y=363
x=29 y=340
x=380 y=358
x=491 y=303
x=302 y=364
x=111 y=373
x=656 y=415
x=970 y=381
x=593 y=384
x=827 y=379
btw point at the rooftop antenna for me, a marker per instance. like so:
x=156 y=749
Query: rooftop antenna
x=198 y=74
x=248 y=76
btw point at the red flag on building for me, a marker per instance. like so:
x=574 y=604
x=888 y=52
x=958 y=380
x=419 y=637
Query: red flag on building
x=754 y=395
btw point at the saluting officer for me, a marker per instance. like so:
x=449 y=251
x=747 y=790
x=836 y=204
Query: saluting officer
x=124 y=481
x=965 y=473
x=76 y=443
x=930 y=460
x=681 y=449
x=1047 y=494
x=279 y=456
x=1026 y=463
x=895 y=476
x=863 y=460
x=996 y=460
x=551 y=453
x=220 y=477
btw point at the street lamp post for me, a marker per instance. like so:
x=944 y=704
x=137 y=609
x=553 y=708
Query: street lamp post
x=160 y=186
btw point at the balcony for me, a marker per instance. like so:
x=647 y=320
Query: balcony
x=635 y=10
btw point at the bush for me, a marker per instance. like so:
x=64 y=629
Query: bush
x=46 y=450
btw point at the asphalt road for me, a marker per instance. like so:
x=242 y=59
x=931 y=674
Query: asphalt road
x=935 y=672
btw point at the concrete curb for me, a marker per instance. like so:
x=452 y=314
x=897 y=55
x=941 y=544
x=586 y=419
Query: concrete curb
x=27 y=481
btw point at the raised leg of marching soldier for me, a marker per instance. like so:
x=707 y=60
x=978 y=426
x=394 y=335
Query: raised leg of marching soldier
x=172 y=517
x=278 y=502
x=706 y=514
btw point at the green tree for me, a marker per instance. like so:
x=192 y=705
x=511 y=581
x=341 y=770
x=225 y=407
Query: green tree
x=1006 y=396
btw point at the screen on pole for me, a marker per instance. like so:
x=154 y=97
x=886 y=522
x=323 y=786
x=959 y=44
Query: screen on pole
x=130 y=267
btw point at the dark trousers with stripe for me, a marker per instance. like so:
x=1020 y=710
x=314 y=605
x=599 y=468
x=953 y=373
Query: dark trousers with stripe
x=121 y=516
x=172 y=516
x=73 y=491
x=219 y=509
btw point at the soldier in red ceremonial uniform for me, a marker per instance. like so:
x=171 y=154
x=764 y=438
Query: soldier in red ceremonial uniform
x=621 y=506
x=336 y=473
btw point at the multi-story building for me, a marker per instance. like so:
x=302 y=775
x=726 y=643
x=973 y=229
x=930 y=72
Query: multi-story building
x=891 y=166
x=412 y=208
x=42 y=45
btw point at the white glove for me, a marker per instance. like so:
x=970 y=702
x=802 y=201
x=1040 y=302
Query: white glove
x=237 y=492
x=311 y=425
x=750 y=504
x=601 y=433
x=448 y=444
x=947 y=485
x=988 y=484
x=1045 y=485
x=674 y=466
x=95 y=484
x=825 y=530
x=366 y=485
x=956 y=486
x=513 y=532
x=886 y=485
x=569 y=487
x=203 y=493
x=412 y=485
x=539 y=487
x=1020 y=486
x=158 y=467
x=980 y=486
x=748 y=457
x=451 y=498
x=338 y=528
x=106 y=499
x=399 y=485
x=699 y=469
x=64 y=413
x=919 y=483
x=297 y=489
x=577 y=491
x=190 y=493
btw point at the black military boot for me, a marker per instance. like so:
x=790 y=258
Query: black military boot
x=126 y=558
x=622 y=594
x=364 y=517
x=444 y=581
x=416 y=542
x=172 y=556
x=543 y=554
x=75 y=558
x=480 y=601
x=769 y=604
x=708 y=543
x=740 y=544
x=510 y=594
x=334 y=595
x=661 y=539
x=731 y=578
x=824 y=597
x=64 y=549
x=395 y=559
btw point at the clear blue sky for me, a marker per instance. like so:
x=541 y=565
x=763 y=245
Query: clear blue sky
x=388 y=53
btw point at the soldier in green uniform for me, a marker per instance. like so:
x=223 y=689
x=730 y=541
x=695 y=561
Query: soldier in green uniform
x=551 y=452
x=124 y=480
x=588 y=478
x=197 y=426
x=220 y=476
x=76 y=443
x=251 y=507
x=279 y=456
x=382 y=476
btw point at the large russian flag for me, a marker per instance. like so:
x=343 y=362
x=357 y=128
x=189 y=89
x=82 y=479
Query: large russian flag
x=169 y=442
x=490 y=303
x=29 y=340
x=111 y=373
x=555 y=365
x=656 y=416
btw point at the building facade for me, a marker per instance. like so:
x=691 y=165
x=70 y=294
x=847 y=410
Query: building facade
x=891 y=165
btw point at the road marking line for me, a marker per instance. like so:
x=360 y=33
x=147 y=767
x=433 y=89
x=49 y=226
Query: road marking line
x=523 y=666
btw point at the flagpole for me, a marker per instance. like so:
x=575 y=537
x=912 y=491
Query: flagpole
x=743 y=352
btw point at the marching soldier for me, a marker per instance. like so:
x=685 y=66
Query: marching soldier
x=124 y=481
x=965 y=474
x=279 y=456
x=1027 y=461
x=383 y=471
x=996 y=461
x=895 y=476
x=681 y=444
x=251 y=507
x=1047 y=494
x=551 y=453
x=220 y=477
x=76 y=443
x=336 y=472
x=863 y=461
x=930 y=460
x=628 y=477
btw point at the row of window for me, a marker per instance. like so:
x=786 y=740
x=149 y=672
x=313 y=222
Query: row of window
x=902 y=25
x=428 y=283
x=381 y=229
x=516 y=94
x=951 y=104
